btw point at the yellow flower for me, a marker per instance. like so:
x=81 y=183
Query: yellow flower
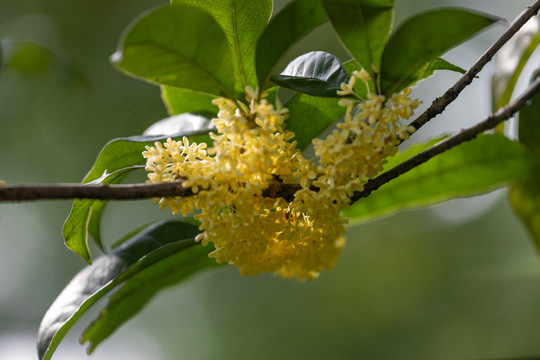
x=251 y=149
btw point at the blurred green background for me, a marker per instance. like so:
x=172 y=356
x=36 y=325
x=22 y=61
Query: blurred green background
x=457 y=281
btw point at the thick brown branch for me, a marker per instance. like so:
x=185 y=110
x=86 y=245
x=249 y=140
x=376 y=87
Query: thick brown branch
x=450 y=142
x=451 y=94
x=92 y=191
x=119 y=192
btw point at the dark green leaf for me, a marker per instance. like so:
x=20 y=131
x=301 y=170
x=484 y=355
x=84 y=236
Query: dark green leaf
x=179 y=101
x=131 y=234
x=525 y=194
x=285 y=29
x=243 y=21
x=472 y=168
x=364 y=27
x=431 y=66
x=310 y=116
x=272 y=98
x=316 y=73
x=529 y=124
x=525 y=200
x=75 y=226
x=151 y=246
x=139 y=289
x=122 y=153
x=421 y=39
x=179 y=46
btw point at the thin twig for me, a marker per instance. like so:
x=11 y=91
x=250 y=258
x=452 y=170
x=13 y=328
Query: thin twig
x=450 y=142
x=439 y=104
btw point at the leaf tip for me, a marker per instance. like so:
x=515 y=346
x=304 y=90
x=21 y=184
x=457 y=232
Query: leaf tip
x=116 y=57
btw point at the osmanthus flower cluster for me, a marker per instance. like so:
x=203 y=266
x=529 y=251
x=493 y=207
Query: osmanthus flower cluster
x=251 y=150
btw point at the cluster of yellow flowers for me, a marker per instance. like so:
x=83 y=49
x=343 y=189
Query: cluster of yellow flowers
x=251 y=150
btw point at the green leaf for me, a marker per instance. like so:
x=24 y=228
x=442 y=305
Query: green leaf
x=360 y=88
x=122 y=153
x=525 y=194
x=76 y=225
x=153 y=245
x=511 y=61
x=529 y=123
x=316 y=73
x=478 y=166
x=179 y=101
x=524 y=197
x=31 y=58
x=181 y=124
x=421 y=39
x=139 y=289
x=243 y=21
x=363 y=26
x=431 y=67
x=285 y=29
x=179 y=46
x=309 y=116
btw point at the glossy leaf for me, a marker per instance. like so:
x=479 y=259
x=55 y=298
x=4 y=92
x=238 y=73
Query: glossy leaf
x=316 y=73
x=363 y=26
x=151 y=246
x=179 y=46
x=297 y=19
x=76 y=225
x=179 y=101
x=525 y=194
x=122 y=153
x=421 y=39
x=139 y=289
x=181 y=124
x=309 y=116
x=243 y=21
x=478 y=166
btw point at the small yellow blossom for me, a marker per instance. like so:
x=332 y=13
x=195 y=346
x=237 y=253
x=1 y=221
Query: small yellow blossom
x=251 y=149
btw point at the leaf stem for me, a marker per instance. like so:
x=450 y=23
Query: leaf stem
x=439 y=104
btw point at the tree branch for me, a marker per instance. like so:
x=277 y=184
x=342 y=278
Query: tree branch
x=15 y=193
x=448 y=143
x=439 y=104
x=29 y=192
x=276 y=188
x=92 y=191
